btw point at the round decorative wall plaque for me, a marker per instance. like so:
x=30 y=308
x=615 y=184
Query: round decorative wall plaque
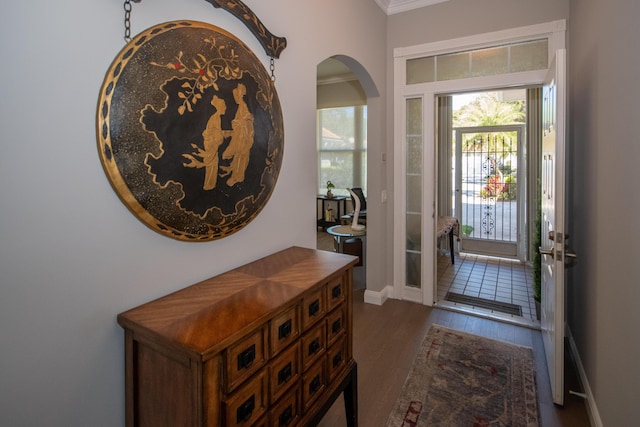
x=190 y=130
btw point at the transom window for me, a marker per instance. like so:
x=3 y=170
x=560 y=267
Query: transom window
x=491 y=61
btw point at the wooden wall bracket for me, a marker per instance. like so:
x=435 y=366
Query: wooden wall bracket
x=273 y=45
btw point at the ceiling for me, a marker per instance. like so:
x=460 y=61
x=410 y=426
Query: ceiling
x=391 y=7
x=332 y=70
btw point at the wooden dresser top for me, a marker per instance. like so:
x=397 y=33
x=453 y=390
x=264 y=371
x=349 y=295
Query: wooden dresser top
x=200 y=319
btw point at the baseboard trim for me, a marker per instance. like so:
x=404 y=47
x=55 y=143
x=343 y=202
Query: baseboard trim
x=378 y=298
x=592 y=408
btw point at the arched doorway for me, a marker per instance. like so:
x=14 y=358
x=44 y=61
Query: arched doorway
x=345 y=92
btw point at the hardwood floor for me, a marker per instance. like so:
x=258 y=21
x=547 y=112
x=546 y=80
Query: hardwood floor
x=387 y=338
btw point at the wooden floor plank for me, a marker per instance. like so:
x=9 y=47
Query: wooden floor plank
x=387 y=339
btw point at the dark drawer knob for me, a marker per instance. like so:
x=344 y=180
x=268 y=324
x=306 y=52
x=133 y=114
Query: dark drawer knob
x=244 y=411
x=246 y=358
x=337 y=359
x=286 y=417
x=284 y=374
x=314 y=308
x=314 y=346
x=284 y=330
x=335 y=327
x=314 y=385
x=336 y=291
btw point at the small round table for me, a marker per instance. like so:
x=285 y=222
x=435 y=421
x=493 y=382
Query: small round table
x=341 y=233
x=343 y=236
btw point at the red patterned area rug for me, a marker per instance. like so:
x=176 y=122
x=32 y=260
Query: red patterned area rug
x=460 y=379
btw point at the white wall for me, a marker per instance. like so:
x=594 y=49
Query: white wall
x=604 y=289
x=71 y=254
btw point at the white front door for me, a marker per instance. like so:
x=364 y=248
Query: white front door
x=553 y=222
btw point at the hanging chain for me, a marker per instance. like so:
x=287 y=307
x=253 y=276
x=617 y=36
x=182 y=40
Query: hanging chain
x=127 y=36
x=272 y=67
x=127 y=21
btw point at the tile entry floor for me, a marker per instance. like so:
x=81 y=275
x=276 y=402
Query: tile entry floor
x=496 y=279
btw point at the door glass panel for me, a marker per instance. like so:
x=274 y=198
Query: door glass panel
x=421 y=70
x=414 y=241
x=414 y=155
x=453 y=66
x=413 y=207
x=414 y=193
x=414 y=269
x=529 y=56
x=489 y=62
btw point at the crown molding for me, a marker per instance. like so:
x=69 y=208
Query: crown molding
x=391 y=7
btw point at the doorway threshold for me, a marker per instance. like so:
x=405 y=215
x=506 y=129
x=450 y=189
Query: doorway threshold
x=484 y=314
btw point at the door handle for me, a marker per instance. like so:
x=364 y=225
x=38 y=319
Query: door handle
x=568 y=253
x=551 y=251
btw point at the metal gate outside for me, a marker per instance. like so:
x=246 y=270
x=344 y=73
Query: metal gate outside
x=489 y=191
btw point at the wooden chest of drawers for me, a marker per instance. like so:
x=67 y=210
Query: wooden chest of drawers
x=266 y=344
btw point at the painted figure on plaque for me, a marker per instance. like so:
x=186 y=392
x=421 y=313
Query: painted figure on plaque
x=241 y=142
x=212 y=138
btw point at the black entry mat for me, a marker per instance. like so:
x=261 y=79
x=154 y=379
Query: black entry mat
x=503 y=307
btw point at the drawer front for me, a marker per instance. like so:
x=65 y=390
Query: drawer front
x=262 y=423
x=336 y=324
x=337 y=357
x=244 y=358
x=314 y=381
x=335 y=293
x=314 y=345
x=284 y=371
x=313 y=308
x=287 y=411
x=284 y=330
x=248 y=403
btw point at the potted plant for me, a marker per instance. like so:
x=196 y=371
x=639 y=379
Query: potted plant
x=329 y=187
x=537 y=263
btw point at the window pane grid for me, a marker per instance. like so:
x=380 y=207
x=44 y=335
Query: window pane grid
x=342 y=148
